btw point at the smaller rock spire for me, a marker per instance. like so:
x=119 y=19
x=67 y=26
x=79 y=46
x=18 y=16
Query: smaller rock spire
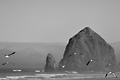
x=50 y=63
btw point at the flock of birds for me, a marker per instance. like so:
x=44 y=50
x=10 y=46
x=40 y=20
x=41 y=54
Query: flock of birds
x=7 y=56
x=108 y=73
x=63 y=66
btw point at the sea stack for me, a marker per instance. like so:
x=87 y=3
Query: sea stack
x=88 y=51
x=50 y=63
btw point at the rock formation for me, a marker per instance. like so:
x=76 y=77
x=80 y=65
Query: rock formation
x=50 y=63
x=88 y=51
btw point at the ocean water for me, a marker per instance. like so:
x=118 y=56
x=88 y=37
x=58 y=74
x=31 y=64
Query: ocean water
x=39 y=74
x=4 y=72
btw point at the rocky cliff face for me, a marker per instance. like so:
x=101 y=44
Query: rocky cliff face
x=88 y=51
x=50 y=63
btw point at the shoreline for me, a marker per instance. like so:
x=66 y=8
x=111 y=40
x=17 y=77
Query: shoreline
x=62 y=76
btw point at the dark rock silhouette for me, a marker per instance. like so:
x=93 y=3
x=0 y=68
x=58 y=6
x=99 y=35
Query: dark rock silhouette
x=50 y=63
x=88 y=51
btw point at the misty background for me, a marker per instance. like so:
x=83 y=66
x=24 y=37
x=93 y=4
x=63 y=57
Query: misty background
x=34 y=28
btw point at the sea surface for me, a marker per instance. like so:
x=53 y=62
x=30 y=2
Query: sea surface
x=4 y=72
x=39 y=74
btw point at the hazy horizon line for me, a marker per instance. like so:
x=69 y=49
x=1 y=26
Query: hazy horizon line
x=28 y=42
x=44 y=42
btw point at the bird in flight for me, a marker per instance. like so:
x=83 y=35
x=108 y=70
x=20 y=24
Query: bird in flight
x=7 y=56
x=7 y=63
x=72 y=54
x=91 y=61
x=108 y=65
x=111 y=73
x=63 y=66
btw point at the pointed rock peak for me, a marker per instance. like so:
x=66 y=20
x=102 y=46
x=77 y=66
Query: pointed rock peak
x=91 y=50
x=86 y=30
x=50 y=63
x=50 y=58
x=49 y=55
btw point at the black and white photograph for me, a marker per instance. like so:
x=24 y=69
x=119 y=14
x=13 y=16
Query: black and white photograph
x=59 y=39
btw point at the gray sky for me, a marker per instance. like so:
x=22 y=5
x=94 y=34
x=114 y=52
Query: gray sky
x=57 y=20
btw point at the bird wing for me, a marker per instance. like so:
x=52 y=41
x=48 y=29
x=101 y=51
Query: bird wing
x=4 y=63
x=8 y=63
x=11 y=54
x=88 y=62
x=11 y=63
x=95 y=60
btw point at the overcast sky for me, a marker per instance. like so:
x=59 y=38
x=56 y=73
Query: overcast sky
x=57 y=20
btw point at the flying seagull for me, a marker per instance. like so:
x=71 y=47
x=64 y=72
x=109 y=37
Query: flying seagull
x=7 y=63
x=72 y=54
x=110 y=73
x=63 y=66
x=7 y=56
x=90 y=61
x=108 y=65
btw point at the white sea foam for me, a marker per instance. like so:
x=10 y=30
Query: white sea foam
x=16 y=70
x=37 y=70
x=60 y=76
x=3 y=78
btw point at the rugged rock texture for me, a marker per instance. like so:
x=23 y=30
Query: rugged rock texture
x=87 y=51
x=50 y=63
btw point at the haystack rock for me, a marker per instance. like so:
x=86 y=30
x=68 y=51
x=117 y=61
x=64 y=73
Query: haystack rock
x=88 y=51
x=50 y=63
